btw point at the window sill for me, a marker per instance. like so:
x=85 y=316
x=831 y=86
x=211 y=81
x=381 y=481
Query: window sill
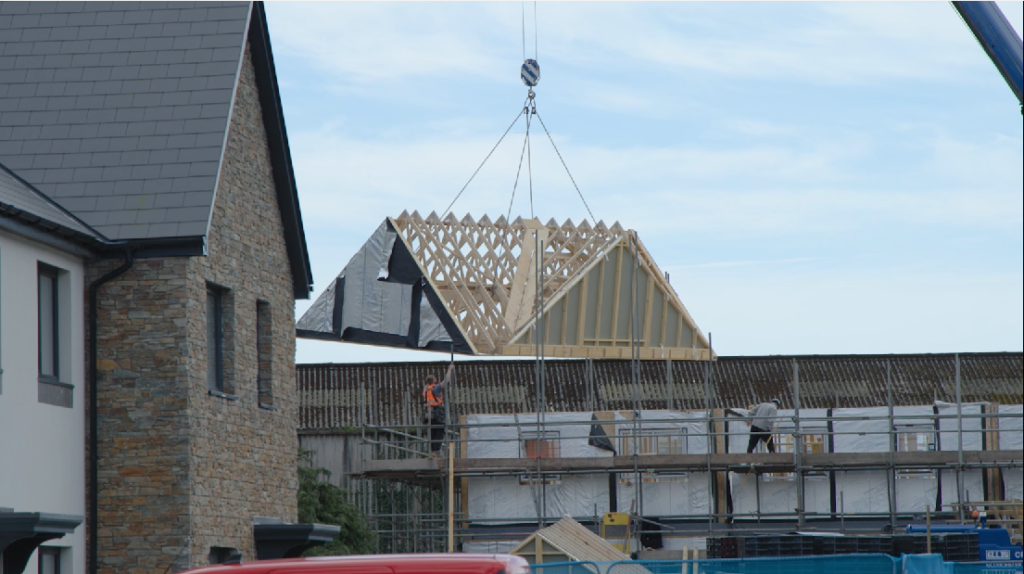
x=267 y=407
x=55 y=382
x=223 y=395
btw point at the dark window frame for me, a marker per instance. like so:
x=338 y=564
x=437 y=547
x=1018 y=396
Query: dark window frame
x=218 y=337
x=264 y=355
x=221 y=386
x=53 y=551
x=53 y=274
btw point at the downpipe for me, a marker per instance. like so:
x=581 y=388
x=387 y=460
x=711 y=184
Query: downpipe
x=93 y=416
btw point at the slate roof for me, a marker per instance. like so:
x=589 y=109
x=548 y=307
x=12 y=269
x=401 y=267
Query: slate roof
x=336 y=395
x=119 y=111
x=21 y=201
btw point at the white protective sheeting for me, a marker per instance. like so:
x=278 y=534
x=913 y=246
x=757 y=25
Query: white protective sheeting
x=868 y=491
x=973 y=480
x=1011 y=437
x=506 y=499
x=513 y=498
x=677 y=494
x=777 y=494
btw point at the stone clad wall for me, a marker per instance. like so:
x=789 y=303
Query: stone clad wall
x=242 y=456
x=144 y=482
x=182 y=470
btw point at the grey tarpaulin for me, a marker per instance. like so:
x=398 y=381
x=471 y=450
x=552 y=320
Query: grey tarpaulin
x=382 y=298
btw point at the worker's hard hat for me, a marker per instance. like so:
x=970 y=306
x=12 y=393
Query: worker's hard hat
x=777 y=401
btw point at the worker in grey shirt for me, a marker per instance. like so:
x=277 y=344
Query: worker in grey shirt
x=761 y=423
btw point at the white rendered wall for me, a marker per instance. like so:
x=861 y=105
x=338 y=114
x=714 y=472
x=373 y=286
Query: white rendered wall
x=42 y=447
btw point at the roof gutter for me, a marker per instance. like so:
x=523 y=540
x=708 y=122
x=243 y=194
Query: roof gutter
x=93 y=526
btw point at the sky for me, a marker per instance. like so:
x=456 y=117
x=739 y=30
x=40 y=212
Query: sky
x=817 y=178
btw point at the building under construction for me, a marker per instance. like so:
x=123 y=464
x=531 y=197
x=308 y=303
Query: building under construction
x=864 y=443
x=623 y=406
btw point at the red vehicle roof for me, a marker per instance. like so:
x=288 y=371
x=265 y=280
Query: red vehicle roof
x=380 y=564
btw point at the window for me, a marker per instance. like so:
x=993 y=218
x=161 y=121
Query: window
x=264 y=355
x=219 y=341
x=657 y=441
x=49 y=560
x=541 y=445
x=49 y=325
x=214 y=339
x=915 y=438
x=785 y=442
x=652 y=442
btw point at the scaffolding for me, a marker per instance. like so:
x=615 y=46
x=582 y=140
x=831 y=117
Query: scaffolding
x=406 y=495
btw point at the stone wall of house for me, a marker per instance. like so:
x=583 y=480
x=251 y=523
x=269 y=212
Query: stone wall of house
x=241 y=453
x=181 y=470
x=144 y=474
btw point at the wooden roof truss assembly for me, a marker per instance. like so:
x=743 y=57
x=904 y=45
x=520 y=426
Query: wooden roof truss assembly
x=486 y=274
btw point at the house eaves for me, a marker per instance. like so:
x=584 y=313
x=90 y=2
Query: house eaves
x=120 y=113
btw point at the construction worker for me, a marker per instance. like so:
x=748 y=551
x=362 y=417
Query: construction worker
x=761 y=423
x=433 y=397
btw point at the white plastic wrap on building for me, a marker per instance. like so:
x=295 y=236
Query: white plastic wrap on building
x=776 y=493
x=506 y=499
x=973 y=480
x=666 y=494
x=867 y=491
x=1011 y=437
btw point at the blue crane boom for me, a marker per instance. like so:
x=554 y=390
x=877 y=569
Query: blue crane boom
x=998 y=39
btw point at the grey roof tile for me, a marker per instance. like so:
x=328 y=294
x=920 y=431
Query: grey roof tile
x=95 y=144
x=171 y=127
x=94 y=218
x=128 y=187
x=138 y=16
x=193 y=228
x=17 y=196
x=142 y=58
x=118 y=100
x=170 y=199
x=90 y=175
x=79 y=203
x=152 y=216
x=162 y=230
x=141 y=128
x=66 y=146
x=98 y=6
x=121 y=216
x=141 y=173
x=71 y=189
x=139 y=201
x=194 y=198
x=111 y=130
x=81 y=19
x=111 y=202
x=110 y=18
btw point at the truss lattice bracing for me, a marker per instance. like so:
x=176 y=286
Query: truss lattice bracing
x=486 y=274
x=473 y=287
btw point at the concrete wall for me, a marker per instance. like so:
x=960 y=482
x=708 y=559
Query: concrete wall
x=42 y=457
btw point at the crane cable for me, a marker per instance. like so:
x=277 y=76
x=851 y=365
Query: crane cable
x=448 y=209
x=529 y=109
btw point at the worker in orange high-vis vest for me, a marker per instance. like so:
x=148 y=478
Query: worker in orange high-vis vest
x=433 y=397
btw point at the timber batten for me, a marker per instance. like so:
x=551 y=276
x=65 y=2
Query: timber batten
x=597 y=283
